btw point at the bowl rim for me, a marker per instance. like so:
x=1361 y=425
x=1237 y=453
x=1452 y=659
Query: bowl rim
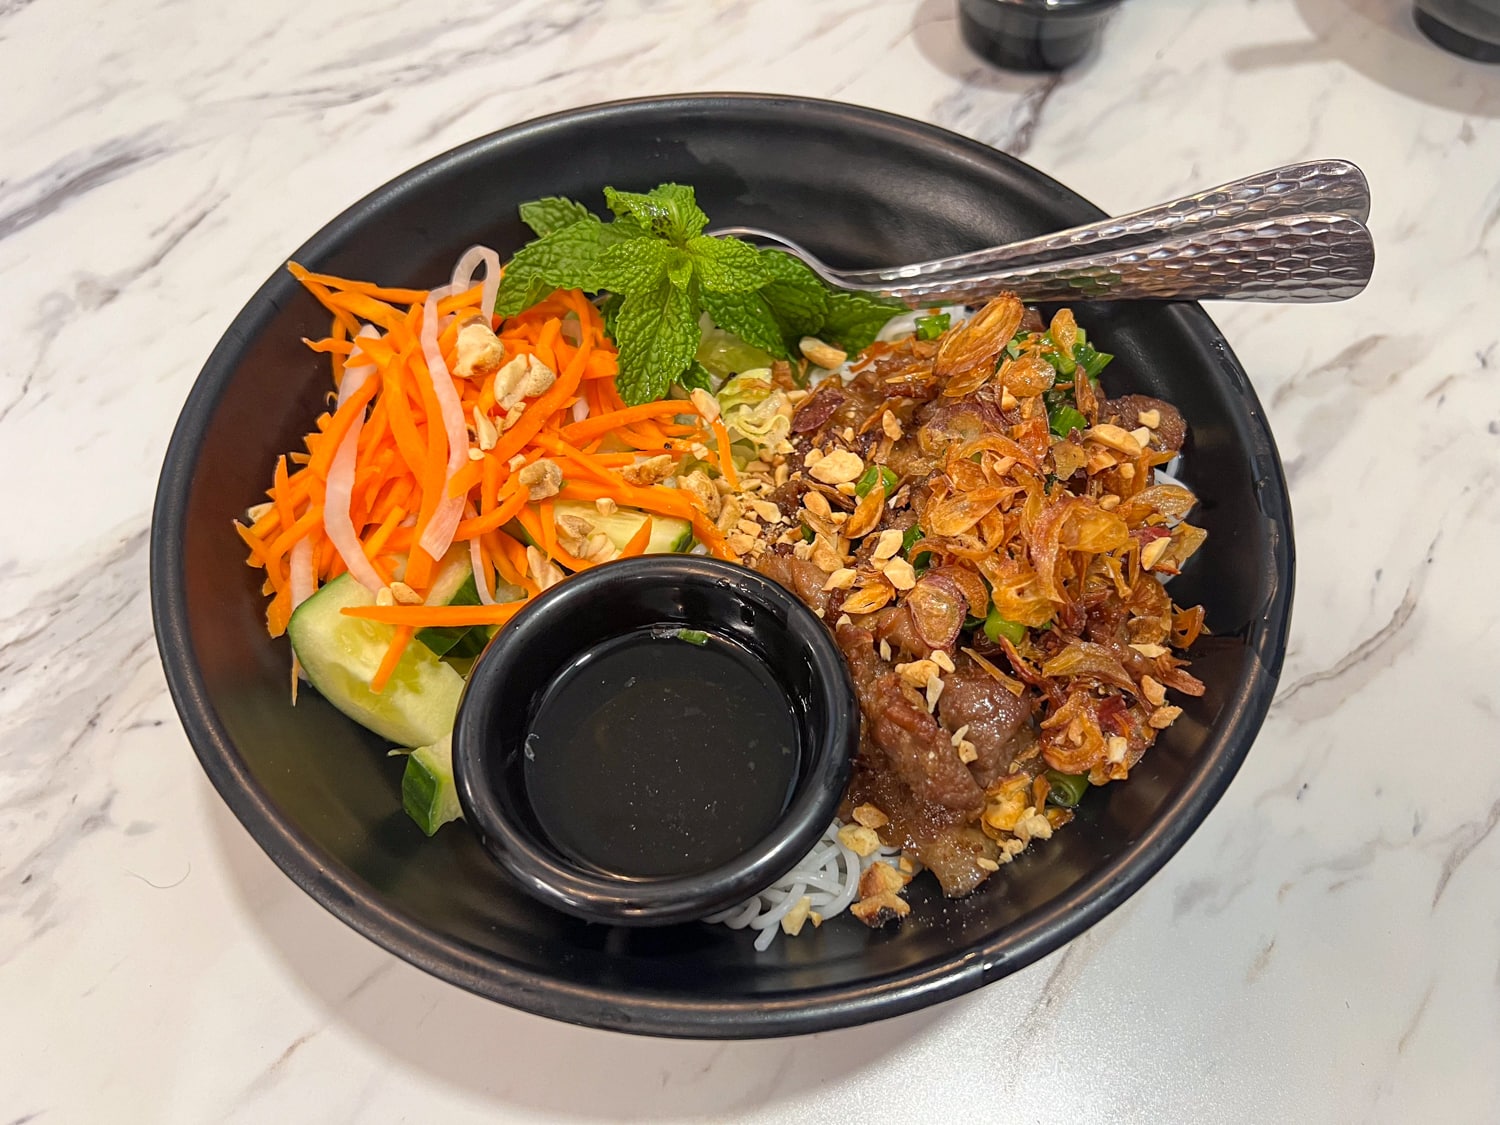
x=968 y=967
x=545 y=873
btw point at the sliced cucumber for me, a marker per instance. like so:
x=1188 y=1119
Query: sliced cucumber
x=455 y=585
x=669 y=535
x=341 y=655
x=427 y=790
x=456 y=641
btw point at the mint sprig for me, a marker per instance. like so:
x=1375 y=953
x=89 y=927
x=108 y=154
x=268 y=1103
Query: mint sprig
x=663 y=274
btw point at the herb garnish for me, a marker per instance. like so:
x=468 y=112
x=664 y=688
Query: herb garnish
x=663 y=274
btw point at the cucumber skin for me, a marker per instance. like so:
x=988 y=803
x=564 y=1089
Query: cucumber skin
x=339 y=654
x=428 y=793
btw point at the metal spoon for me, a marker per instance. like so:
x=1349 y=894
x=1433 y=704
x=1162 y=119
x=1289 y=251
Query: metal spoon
x=1290 y=234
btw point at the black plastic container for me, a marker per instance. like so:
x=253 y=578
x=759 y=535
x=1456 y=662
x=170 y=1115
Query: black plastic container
x=1033 y=34
x=1470 y=28
x=861 y=188
x=608 y=601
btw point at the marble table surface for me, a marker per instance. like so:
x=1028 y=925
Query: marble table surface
x=1328 y=944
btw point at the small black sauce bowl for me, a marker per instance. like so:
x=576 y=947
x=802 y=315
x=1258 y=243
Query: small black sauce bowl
x=608 y=601
x=1033 y=34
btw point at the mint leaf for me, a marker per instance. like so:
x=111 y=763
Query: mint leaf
x=855 y=319
x=727 y=265
x=679 y=268
x=667 y=210
x=747 y=316
x=797 y=296
x=637 y=265
x=657 y=333
x=568 y=258
x=696 y=377
x=609 y=309
x=553 y=213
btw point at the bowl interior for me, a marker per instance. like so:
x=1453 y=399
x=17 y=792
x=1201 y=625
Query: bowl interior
x=860 y=188
x=686 y=592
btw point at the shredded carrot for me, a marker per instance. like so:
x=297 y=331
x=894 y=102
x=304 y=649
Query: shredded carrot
x=638 y=541
x=598 y=425
x=400 y=475
x=402 y=638
x=432 y=616
x=726 y=458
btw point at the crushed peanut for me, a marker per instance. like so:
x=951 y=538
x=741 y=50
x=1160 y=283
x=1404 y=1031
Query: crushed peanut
x=879 y=909
x=705 y=493
x=860 y=840
x=817 y=504
x=404 y=594
x=542 y=478
x=900 y=573
x=891 y=426
x=543 y=571
x=478 y=349
x=1116 y=748
x=917 y=672
x=824 y=355
x=484 y=430
x=880 y=878
x=838 y=467
x=1142 y=435
x=1152 y=552
x=870 y=816
x=1163 y=717
x=384 y=596
x=605 y=506
x=1149 y=651
x=653 y=470
x=1109 y=502
x=840 y=579
x=795 y=918
x=888 y=543
x=705 y=404
x=1149 y=418
x=1113 y=437
x=939 y=657
x=1153 y=691
x=767 y=511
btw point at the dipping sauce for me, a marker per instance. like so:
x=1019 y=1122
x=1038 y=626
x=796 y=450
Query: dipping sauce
x=659 y=753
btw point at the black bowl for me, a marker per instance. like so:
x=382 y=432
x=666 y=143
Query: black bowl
x=861 y=188
x=681 y=591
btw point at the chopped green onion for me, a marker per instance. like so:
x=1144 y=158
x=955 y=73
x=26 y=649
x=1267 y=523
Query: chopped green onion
x=1066 y=789
x=1091 y=359
x=1065 y=419
x=1062 y=364
x=909 y=537
x=871 y=475
x=693 y=636
x=808 y=534
x=996 y=627
x=932 y=326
